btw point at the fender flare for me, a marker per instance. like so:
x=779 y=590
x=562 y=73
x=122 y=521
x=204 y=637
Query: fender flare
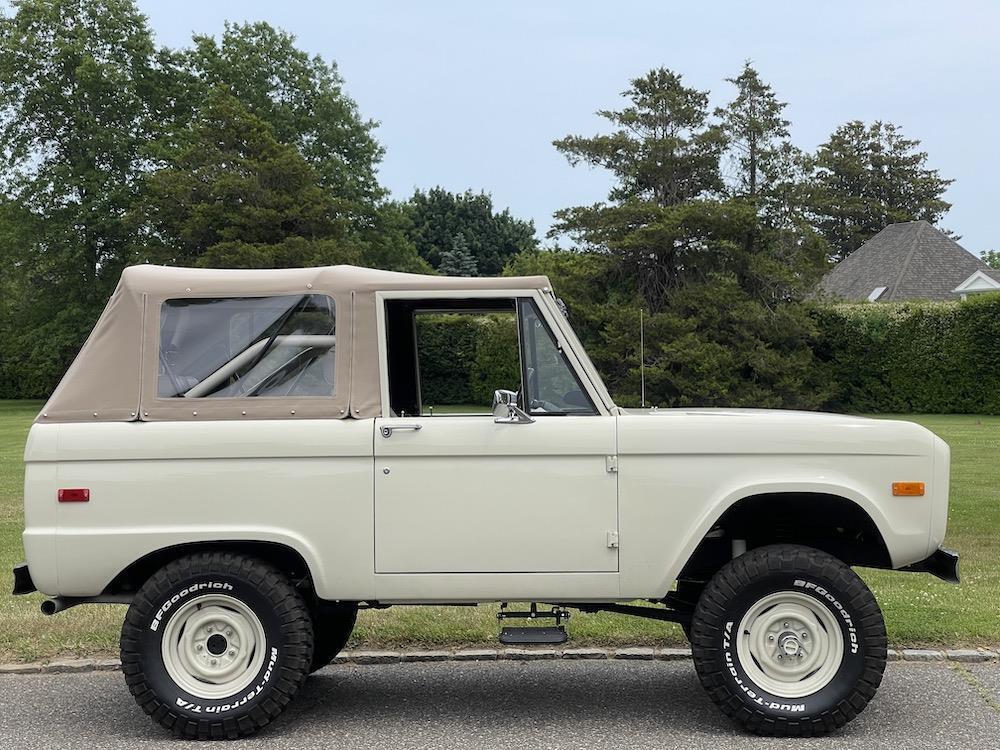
x=729 y=497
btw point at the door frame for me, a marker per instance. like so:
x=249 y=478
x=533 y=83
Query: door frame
x=588 y=378
x=468 y=588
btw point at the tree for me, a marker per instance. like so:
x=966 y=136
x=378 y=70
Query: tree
x=757 y=136
x=718 y=276
x=81 y=90
x=866 y=177
x=302 y=99
x=74 y=81
x=457 y=260
x=233 y=196
x=663 y=149
x=782 y=256
x=664 y=154
x=437 y=215
x=991 y=258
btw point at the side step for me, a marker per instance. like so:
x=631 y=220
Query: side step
x=522 y=636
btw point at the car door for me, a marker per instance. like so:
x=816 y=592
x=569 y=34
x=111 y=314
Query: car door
x=466 y=494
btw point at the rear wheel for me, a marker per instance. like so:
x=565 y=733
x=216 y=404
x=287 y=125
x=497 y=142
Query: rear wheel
x=788 y=640
x=332 y=625
x=215 y=645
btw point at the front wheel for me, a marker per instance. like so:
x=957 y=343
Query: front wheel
x=215 y=645
x=788 y=640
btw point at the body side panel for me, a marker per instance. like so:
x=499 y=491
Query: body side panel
x=303 y=483
x=679 y=473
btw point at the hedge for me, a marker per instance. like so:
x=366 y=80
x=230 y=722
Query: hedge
x=464 y=358
x=912 y=357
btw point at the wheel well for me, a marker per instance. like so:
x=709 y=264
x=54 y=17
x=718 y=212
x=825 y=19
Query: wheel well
x=286 y=559
x=830 y=523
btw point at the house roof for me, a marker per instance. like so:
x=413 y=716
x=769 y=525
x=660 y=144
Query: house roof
x=912 y=260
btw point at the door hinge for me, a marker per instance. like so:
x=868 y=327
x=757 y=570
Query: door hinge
x=611 y=464
x=612 y=540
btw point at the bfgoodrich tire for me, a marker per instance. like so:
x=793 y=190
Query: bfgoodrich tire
x=215 y=645
x=788 y=641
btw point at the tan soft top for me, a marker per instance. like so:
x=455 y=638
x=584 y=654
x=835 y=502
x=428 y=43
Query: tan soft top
x=113 y=378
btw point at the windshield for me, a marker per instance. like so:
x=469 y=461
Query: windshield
x=551 y=385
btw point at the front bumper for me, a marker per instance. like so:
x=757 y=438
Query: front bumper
x=22 y=580
x=943 y=564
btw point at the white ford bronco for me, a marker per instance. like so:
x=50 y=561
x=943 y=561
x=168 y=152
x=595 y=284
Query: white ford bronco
x=249 y=457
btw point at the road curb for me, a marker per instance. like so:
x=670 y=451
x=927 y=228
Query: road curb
x=362 y=657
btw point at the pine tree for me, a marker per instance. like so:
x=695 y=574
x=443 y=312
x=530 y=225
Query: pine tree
x=457 y=260
x=866 y=177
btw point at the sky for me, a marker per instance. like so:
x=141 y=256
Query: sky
x=471 y=95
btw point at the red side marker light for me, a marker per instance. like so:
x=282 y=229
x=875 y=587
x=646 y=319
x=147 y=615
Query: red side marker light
x=74 y=496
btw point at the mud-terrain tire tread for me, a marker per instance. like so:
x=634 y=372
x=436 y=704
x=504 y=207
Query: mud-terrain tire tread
x=296 y=627
x=708 y=623
x=332 y=629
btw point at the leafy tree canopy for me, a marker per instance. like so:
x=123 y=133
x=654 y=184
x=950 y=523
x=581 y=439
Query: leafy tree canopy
x=492 y=237
x=302 y=98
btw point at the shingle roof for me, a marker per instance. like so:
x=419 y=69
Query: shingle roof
x=913 y=260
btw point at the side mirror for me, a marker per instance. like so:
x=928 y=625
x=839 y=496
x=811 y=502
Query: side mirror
x=506 y=410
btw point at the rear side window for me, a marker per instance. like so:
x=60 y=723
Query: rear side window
x=244 y=347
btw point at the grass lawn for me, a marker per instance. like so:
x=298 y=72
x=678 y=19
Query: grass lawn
x=919 y=609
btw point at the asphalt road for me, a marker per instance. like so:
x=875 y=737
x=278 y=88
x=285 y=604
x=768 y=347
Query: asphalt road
x=520 y=705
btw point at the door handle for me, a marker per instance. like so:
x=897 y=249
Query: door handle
x=387 y=429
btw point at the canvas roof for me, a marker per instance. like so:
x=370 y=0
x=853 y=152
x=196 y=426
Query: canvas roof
x=913 y=260
x=113 y=376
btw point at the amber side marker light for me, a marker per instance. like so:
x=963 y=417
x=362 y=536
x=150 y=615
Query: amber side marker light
x=908 y=489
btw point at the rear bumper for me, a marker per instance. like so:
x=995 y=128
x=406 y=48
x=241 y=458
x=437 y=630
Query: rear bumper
x=22 y=580
x=943 y=564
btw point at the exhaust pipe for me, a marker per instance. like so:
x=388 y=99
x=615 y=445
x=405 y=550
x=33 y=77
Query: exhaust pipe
x=58 y=604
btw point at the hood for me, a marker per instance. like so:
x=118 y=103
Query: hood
x=767 y=431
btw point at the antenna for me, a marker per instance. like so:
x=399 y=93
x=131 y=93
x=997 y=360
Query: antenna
x=642 y=358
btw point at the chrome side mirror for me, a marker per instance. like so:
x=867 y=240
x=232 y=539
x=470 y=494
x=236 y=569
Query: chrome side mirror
x=506 y=410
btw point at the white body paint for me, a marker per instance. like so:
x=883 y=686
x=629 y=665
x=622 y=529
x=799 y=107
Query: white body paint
x=464 y=509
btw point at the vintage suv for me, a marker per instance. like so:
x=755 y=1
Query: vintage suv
x=249 y=457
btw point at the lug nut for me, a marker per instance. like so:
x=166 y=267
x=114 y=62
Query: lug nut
x=198 y=647
x=214 y=662
x=229 y=631
x=784 y=624
x=232 y=652
x=208 y=628
x=804 y=636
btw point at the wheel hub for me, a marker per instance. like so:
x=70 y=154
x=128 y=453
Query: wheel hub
x=213 y=646
x=790 y=644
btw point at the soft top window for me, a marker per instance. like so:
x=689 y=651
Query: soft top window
x=244 y=347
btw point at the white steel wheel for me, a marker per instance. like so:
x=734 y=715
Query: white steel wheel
x=790 y=644
x=213 y=646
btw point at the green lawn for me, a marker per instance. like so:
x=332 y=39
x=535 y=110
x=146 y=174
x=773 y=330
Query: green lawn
x=919 y=609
